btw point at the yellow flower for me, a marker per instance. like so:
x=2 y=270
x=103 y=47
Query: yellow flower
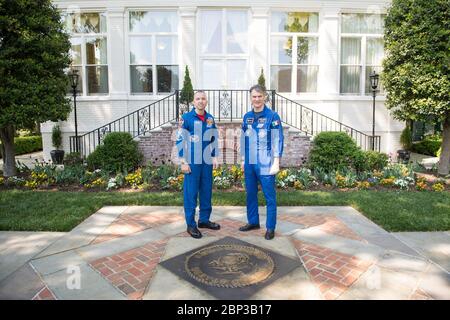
x=438 y=187
x=363 y=185
x=298 y=185
x=387 y=181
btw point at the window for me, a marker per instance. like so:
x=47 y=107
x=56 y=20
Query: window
x=153 y=46
x=294 y=51
x=89 y=51
x=223 y=46
x=361 y=51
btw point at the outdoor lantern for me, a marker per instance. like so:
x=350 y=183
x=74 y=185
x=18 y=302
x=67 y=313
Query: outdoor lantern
x=374 y=80
x=74 y=79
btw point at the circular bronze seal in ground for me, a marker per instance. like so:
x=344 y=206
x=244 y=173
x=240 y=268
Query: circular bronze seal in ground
x=229 y=265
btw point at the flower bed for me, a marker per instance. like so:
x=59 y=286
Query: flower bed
x=227 y=177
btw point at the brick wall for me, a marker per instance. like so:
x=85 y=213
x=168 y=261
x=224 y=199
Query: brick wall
x=159 y=147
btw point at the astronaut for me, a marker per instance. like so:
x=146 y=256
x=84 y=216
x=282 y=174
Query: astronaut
x=197 y=141
x=261 y=149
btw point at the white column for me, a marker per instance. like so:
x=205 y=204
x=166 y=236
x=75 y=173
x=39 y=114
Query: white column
x=328 y=81
x=259 y=46
x=116 y=53
x=187 y=51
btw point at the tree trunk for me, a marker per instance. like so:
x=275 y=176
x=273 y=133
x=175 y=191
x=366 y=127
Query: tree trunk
x=444 y=161
x=8 y=152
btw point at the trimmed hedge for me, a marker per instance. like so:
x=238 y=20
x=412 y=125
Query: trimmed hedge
x=428 y=146
x=118 y=153
x=25 y=145
x=337 y=151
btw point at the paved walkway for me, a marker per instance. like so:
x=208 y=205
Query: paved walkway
x=116 y=254
x=28 y=159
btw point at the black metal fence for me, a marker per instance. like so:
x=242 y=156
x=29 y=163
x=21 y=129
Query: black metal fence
x=224 y=105
x=312 y=122
x=136 y=123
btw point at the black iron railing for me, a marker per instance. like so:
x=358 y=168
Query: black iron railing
x=224 y=105
x=311 y=122
x=136 y=123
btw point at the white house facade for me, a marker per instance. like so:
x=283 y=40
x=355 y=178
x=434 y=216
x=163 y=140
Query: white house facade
x=316 y=53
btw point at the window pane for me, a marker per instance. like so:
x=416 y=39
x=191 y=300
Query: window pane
x=307 y=50
x=86 y=22
x=236 y=74
x=96 y=51
x=153 y=21
x=141 y=79
x=307 y=78
x=351 y=23
x=281 y=79
x=281 y=50
x=375 y=51
x=368 y=87
x=295 y=22
x=212 y=74
x=166 y=50
x=97 y=79
x=350 y=79
x=167 y=78
x=75 y=51
x=362 y=23
x=237 y=28
x=373 y=23
x=350 y=50
x=80 y=80
x=211 y=31
x=141 y=50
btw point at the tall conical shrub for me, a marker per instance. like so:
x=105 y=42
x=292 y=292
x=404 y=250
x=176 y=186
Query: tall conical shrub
x=187 y=93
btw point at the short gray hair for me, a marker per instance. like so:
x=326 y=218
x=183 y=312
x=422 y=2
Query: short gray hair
x=258 y=88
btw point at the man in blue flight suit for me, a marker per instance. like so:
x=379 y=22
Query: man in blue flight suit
x=197 y=140
x=261 y=149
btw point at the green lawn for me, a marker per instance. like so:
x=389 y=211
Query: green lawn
x=62 y=211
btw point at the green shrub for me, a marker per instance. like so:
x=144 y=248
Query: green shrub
x=335 y=151
x=406 y=138
x=25 y=145
x=56 y=137
x=375 y=160
x=429 y=145
x=72 y=159
x=118 y=153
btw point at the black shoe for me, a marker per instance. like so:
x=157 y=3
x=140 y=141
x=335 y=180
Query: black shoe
x=209 y=225
x=194 y=232
x=270 y=234
x=249 y=227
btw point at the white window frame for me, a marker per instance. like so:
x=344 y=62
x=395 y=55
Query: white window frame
x=84 y=64
x=153 y=35
x=363 y=48
x=294 y=64
x=224 y=57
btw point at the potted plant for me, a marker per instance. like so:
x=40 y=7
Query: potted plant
x=404 y=154
x=57 y=154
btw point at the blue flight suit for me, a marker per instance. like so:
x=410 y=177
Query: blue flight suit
x=197 y=143
x=262 y=140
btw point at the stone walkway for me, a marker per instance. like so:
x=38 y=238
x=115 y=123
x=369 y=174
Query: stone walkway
x=28 y=159
x=116 y=254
